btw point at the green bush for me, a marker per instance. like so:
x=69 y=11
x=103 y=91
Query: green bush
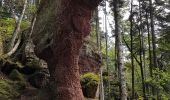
x=89 y=83
x=89 y=79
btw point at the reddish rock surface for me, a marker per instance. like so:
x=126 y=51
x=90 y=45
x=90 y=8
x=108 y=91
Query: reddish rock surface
x=89 y=62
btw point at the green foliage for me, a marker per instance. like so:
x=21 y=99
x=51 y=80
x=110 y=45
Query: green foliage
x=25 y=25
x=6 y=27
x=32 y=9
x=89 y=79
x=160 y=81
x=16 y=75
x=7 y=90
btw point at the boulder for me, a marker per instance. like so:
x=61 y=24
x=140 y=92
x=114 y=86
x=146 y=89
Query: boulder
x=39 y=79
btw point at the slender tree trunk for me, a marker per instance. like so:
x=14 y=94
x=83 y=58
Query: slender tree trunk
x=106 y=49
x=97 y=28
x=120 y=61
x=132 y=59
x=154 y=57
x=0 y=3
x=153 y=34
x=58 y=35
x=17 y=28
x=101 y=90
x=141 y=68
x=101 y=85
x=141 y=52
x=149 y=43
x=13 y=50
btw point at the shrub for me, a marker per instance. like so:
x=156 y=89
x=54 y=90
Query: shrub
x=89 y=83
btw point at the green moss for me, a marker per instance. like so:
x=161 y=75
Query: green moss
x=89 y=83
x=7 y=90
x=16 y=75
x=89 y=79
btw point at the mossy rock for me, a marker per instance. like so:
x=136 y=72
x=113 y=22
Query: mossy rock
x=89 y=83
x=7 y=90
x=15 y=75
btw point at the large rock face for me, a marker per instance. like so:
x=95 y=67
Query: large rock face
x=90 y=60
x=58 y=36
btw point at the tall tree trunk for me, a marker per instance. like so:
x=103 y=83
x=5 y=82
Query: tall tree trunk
x=149 y=47
x=58 y=35
x=153 y=34
x=101 y=88
x=106 y=50
x=97 y=28
x=149 y=43
x=17 y=28
x=0 y=4
x=154 y=57
x=132 y=59
x=141 y=67
x=101 y=85
x=141 y=38
x=120 y=61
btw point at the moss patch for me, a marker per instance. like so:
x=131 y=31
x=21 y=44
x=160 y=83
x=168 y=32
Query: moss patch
x=89 y=83
x=7 y=90
x=11 y=90
x=89 y=79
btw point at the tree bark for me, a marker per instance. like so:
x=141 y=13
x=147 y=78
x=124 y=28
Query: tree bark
x=141 y=52
x=58 y=35
x=121 y=71
x=153 y=34
x=97 y=28
x=132 y=58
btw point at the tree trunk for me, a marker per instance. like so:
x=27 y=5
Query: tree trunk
x=58 y=35
x=153 y=34
x=121 y=71
x=101 y=85
x=132 y=59
x=97 y=28
x=17 y=28
x=106 y=50
x=141 y=51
